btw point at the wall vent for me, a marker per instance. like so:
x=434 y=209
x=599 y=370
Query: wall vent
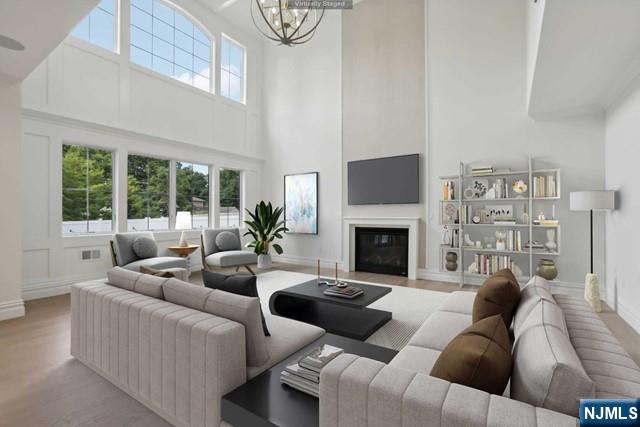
x=90 y=254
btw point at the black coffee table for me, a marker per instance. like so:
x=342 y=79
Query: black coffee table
x=340 y=316
x=264 y=401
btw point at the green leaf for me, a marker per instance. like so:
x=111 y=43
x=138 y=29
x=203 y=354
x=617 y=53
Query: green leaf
x=278 y=248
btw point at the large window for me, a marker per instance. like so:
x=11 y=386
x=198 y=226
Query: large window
x=147 y=193
x=232 y=59
x=87 y=196
x=166 y=41
x=192 y=192
x=99 y=27
x=230 y=197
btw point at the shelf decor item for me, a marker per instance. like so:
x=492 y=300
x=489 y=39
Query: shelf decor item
x=452 y=261
x=519 y=187
x=301 y=203
x=551 y=244
x=547 y=269
x=592 y=201
x=183 y=222
x=264 y=226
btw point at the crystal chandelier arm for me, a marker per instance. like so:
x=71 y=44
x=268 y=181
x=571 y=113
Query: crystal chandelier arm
x=284 y=29
x=301 y=24
x=277 y=35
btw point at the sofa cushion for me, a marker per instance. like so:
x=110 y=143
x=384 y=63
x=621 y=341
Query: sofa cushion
x=546 y=313
x=287 y=337
x=123 y=245
x=137 y=282
x=209 y=238
x=231 y=258
x=145 y=247
x=244 y=310
x=239 y=284
x=416 y=359
x=186 y=294
x=228 y=241
x=547 y=371
x=159 y=263
x=498 y=295
x=439 y=329
x=480 y=357
x=530 y=295
x=459 y=302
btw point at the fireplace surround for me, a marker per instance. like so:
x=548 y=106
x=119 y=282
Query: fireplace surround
x=382 y=250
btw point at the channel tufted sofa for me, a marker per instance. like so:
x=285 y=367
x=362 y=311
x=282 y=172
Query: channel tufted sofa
x=562 y=352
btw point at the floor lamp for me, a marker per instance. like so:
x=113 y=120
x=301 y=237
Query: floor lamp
x=592 y=201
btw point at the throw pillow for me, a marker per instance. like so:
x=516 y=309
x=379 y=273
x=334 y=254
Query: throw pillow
x=478 y=357
x=227 y=241
x=499 y=294
x=239 y=284
x=157 y=273
x=145 y=247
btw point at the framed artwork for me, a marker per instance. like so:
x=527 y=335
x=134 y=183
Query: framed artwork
x=480 y=187
x=301 y=203
x=500 y=211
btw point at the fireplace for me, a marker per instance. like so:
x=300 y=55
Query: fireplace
x=382 y=250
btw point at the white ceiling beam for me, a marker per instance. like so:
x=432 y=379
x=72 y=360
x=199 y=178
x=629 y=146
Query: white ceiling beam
x=224 y=5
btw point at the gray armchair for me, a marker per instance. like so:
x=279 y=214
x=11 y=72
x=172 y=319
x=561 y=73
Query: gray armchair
x=225 y=250
x=123 y=254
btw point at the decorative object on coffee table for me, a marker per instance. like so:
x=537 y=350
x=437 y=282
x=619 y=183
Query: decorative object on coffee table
x=264 y=227
x=547 y=269
x=452 y=261
x=592 y=201
x=301 y=203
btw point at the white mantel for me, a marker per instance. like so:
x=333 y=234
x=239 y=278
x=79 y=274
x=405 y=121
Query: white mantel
x=349 y=248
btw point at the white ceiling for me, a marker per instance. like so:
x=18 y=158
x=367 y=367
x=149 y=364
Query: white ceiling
x=40 y=25
x=238 y=12
x=588 y=54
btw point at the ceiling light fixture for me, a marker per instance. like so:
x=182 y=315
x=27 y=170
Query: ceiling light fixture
x=279 y=22
x=9 y=43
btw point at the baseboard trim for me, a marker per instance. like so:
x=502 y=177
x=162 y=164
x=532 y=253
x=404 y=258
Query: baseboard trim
x=54 y=287
x=629 y=316
x=307 y=262
x=11 y=309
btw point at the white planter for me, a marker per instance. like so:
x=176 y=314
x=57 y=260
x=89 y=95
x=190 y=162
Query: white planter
x=264 y=261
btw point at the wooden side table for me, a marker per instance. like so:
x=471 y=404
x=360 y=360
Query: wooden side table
x=184 y=252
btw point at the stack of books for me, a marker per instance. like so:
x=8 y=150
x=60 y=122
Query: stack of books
x=348 y=292
x=504 y=220
x=534 y=245
x=544 y=186
x=304 y=376
x=482 y=170
x=514 y=241
x=489 y=264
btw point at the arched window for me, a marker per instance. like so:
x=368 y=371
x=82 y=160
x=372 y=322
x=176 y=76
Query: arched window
x=165 y=40
x=99 y=26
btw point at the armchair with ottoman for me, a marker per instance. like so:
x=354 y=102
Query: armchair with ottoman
x=222 y=248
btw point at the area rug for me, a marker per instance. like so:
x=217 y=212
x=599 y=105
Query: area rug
x=410 y=307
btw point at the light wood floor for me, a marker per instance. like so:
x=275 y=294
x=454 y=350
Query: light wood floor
x=42 y=385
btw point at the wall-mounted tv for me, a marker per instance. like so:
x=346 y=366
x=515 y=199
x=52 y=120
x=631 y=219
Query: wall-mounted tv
x=385 y=181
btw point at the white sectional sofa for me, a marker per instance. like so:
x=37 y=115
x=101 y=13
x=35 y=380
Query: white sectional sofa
x=561 y=349
x=179 y=358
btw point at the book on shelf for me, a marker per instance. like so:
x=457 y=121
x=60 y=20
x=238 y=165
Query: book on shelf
x=482 y=170
x=320 y=357
x=544 y=186
x=534 y=245
x=348 y=292
x=514 y=241
x=505 y=221
x=448 y=190
x=489 y=264
x=547 y=222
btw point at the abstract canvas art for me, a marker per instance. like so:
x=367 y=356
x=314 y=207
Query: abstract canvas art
x=301 y=203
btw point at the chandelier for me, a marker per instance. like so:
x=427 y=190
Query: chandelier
x=277 y=20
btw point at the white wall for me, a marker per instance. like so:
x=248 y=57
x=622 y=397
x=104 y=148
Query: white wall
x=623 y=237
x=11 y=196
x=477 y=112
x=85 y=95
x=302 y=126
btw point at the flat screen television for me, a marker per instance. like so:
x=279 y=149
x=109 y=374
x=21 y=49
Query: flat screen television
x=385 y=181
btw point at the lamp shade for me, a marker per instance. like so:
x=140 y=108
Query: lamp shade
x=592 y=200
x=183 y=221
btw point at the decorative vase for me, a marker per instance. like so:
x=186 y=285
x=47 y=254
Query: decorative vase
x=551 y=240
x=592 y=292
x=547 y=269
x=452 y=261
x=264 y=261
x=183 y=240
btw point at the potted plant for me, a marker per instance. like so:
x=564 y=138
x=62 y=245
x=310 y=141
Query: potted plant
x=264 y=227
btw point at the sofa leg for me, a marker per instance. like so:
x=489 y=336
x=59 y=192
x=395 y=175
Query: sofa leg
x=250 y=270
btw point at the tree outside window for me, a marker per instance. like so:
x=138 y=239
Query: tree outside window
x=192 y=192
x=230 y=198
x=87 y=190
x=148 y=193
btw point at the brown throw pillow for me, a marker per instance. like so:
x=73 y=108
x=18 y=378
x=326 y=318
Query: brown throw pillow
x=157 y=273
x=499 y=294
x=479 y=357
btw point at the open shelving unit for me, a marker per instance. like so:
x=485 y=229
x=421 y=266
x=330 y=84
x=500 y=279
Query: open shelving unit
x=544 y=188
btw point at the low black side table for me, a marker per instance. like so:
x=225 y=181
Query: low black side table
x=347 y=317
x=264 y=401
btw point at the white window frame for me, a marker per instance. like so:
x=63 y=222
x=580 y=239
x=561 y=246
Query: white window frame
x=241 y=203
x=243 y=80
x=117 y=16
x=171 y=191
x=174 y=194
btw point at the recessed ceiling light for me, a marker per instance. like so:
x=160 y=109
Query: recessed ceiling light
x=9 y=43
